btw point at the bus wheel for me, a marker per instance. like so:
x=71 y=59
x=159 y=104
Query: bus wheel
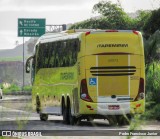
x=122 y=120
x=112 y=120
x=38 y=104
x=90 y=119
x=43 y=117
x=72 y=119
x=65 y=115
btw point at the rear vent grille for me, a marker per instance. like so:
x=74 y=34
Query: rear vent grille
x=113 y=71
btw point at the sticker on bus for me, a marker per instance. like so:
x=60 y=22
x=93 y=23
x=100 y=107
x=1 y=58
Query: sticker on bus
x=92 y=81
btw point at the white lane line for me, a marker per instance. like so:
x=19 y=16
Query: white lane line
x=5 y=109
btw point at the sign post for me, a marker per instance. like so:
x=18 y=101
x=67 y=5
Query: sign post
x=30 y=27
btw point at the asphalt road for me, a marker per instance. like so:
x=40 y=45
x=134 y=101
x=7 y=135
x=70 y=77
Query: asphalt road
x=16 y=114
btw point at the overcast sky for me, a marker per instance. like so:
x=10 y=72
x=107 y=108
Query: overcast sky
x=55 y=12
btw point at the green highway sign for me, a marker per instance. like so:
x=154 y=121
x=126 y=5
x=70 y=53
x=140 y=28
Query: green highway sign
x=29 y=27
x=30 y=32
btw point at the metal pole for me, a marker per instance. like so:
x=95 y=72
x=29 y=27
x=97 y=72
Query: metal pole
x=23 y=65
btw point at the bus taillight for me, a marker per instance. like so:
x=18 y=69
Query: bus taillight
x=87 y=33
x=141 y=90
x=135 y=32
x=84 y=91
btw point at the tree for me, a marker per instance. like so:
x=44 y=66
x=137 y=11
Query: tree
x=112 y=17
x=108 y=9
x=152 y=46
x=141 y=19
x=152 y=24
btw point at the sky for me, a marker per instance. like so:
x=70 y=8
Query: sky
x=55 y=12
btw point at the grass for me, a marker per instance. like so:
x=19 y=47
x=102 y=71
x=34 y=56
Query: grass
x=15 y=88
x=5 y=59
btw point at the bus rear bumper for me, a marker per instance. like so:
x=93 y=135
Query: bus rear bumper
x=113 y=108
x=136 y=107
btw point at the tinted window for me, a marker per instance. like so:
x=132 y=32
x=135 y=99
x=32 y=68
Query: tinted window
x=58 y=54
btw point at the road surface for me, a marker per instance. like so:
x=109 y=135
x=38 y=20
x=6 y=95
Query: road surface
x=16 y=114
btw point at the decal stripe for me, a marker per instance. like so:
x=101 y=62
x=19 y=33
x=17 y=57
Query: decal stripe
x=120 y=74
x=115 y=67
x=114 y=71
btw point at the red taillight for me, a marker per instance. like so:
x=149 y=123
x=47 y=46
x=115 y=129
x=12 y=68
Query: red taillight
x=140 y=90
x=111 y=31
x=89 y=107
x=84 y=91
x=87 y=33
x=135 y=32
x=141 y=85
x=138 y=105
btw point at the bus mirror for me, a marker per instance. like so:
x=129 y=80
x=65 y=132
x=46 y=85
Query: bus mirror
x=28 y=67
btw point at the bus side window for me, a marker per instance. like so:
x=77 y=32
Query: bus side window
x=77 y=43
x=33 y=70
x=51 y=55
x=37 y=58
x=57 y=54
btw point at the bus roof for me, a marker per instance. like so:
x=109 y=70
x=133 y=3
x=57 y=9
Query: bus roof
x=51 y=37
x=72 y=34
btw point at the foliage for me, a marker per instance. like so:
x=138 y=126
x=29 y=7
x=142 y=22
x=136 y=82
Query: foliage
x=27 y=88
x=152 y=47
x=141 y=19
x=153 y=23
x=152 y=92
x=6 y=59
x=108 y=9
x=152 y=113
x=112 y=17
x=12 y=88
x=153 y=82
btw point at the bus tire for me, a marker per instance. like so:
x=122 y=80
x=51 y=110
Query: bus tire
x=90 y=119
x=122 y=120
x=43 y=117
x=72 y=119
x=38 y=104
x=112 y=120
x=65 y=114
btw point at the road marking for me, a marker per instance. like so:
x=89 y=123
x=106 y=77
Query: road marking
x=4 y=109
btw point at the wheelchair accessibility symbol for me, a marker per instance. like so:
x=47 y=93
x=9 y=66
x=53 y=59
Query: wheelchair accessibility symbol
x=92 y=81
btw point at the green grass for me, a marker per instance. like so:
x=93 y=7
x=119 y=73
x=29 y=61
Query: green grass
x=15 y=88
x=12 y=88
x=17 y=58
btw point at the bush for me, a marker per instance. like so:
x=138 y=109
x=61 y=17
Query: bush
x=152 y=92
x=12 y=88
x=153 y=83
x=152 y=113
x=27 y=88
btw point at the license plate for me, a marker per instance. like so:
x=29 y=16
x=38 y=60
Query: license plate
x=113 y=107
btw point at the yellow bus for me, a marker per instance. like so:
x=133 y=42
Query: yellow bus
x=94 y=74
